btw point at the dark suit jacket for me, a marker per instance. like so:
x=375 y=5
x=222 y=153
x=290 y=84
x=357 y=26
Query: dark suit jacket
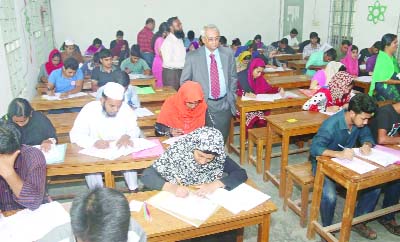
x=196 y=69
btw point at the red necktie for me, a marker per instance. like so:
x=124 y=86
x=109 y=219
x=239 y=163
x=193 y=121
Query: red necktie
x=214 y=78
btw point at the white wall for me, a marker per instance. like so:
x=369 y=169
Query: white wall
x=316 y=18
x=85 y=20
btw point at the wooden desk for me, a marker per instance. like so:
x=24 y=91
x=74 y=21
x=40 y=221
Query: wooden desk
x=271 y=74
x=160 y=95
x=144 y=82
x=167 y=228
x=41 y=88
x=353 y=182
x=40 y=104
x=289 y=57
x=298 y=65
x=76 y=163
x=297 y=81
x=364 y=85
x=307 y=123
x=249 y=106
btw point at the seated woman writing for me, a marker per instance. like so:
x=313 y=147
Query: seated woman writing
x=54 y=62
x=351 y=61
x=35 y=127
x=334 y=97
x=183 y=112
x=252 y=82
x=324 y=76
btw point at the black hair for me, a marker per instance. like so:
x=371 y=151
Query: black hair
x=387 y=39
x=101 y=215
x=313 y=35
x=354 y=47
x=294 y=31
x=258 y=36
x=171 y=20
x=222 y=40
x=236 y=42
x=97 y=41
x=284 y=41
x=150 y=20
x=57 y=54
x=161 y=29
x=10 y=138
x=342 y=68
x=361 y=102
x=135 y=51
x=120 y=77
x=19 y=107
x=104 y=53
x=346 y=42
x=96 y=58
x=71 y=63
x=201 y=43
x=190 y=35
x=377 y=45
x=120 y=33
x=331 y=53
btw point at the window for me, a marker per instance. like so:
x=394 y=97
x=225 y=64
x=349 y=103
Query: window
x=340 y=22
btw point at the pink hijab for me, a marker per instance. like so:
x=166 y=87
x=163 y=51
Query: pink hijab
x=350 y=63
x=259 y=85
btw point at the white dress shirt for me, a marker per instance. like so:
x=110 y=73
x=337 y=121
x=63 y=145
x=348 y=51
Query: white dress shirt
x=292 y=41
x=173 y=52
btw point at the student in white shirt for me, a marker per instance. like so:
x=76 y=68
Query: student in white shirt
x=292 y=37
x=101 y=122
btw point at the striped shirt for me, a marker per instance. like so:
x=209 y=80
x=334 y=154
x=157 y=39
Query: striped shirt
x=31 y=168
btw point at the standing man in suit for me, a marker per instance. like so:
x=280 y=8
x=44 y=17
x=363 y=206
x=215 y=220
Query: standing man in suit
x=215 y=69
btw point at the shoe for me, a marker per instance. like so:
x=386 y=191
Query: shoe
x=392 y=228
x=365 y=231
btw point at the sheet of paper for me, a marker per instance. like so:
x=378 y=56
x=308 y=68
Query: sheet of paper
x=145 y=90
x=356 y=165
x=143 y=112
x=364 y=79
x=113 y=152
x=363 y=67
x=191 y=209
x=380 y=157
x=27 y=225
x=269 y=69
x=139 y=76
x=242 y=198
x=57 y=96
x=172 y=140
x=151 y=152
x=55 y=155
x=308 y=92
x=135 y=206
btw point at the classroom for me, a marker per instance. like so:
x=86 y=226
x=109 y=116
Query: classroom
x=151 y=120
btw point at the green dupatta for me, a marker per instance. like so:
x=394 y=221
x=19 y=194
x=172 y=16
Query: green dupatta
x=384 y=68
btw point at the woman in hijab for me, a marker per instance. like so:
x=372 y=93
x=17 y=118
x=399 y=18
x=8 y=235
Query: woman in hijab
x=252 y=82
x=386 y=68
x=95 y=47
x=54 y=62
x=351 y=61
x=183 y=112
x=334 y=97
x=243 y=61
x=198 y=159
x=323 y=77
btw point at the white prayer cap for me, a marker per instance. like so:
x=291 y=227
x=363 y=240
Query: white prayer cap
x=69 y=42
x=114 y=91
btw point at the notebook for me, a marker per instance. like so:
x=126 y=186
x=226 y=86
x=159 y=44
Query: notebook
x=151 y=152
x=145 y=90
x=57 y=96
x=55 y=155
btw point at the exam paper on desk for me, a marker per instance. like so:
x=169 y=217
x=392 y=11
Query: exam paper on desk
x=57 y=96
x=356 y=165
x=55 y=155
x=380 y=157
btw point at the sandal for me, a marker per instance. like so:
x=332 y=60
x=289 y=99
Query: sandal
x=392 y=228
x=365 y=231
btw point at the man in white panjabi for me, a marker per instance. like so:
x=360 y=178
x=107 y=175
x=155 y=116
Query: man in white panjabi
x=103 y=121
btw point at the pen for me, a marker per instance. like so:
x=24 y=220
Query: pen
x=146 y=212
x=341 y=146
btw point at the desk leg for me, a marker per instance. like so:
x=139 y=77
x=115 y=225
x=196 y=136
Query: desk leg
x=239 y=235
x=263 y=229
x=109 y=179
x=242 y=136
x=316 y=201
x=268 y=152
x=284 y=164
x=348 y=212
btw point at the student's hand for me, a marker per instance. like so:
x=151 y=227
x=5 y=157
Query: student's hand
x=125 y=140
x=7 y=163
x=347 y=153
x=282 y=92
x=147 y=72
x=127 y=70
x=181 y=191
x=50 y=92
x=208 y=188
x=333 y=109
x=64 y=95
x=176 y=132
x=365 y=149
x=46 y=145
x=102 y=144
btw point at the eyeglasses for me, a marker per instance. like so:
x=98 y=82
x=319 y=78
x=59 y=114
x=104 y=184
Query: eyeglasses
x=210 y=39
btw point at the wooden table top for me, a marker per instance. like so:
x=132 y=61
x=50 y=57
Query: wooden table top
x=160 y=95
x=144 y=82
x=297 y=120
x=286 y=72
x=295 y=81
x=285 y=57
x=40 y=104
x=170 y=228
x=297 y=63
x=287 y=102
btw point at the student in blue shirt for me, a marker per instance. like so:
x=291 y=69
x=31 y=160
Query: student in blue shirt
x=130 y=96
x=344 y=129
x=66 y=80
